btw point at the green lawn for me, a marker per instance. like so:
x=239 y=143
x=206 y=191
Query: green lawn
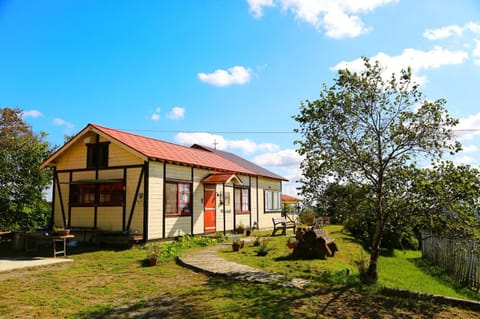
x=116 y=283
x=402 y=270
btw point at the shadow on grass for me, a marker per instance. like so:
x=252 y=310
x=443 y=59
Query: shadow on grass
x=223 y=298
x=45 y=249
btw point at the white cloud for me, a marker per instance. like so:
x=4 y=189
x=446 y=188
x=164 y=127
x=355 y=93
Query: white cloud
x=476 y=52
x=246 y=146
x=249 y=147
x=202 y=138
x=340 y=25
x=281 y=158
x=451 y=31
x=464 y=160
x=469 y=148
x=176 y=113
x=416 y=59
x=61 y=122
x=31 y=113
x=156 y=115
x=338 y=18
x=256 y=7
x=293 y=174
x=468 y=127
x=444 y=32
x=234 y=75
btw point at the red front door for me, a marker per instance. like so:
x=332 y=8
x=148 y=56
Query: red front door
x=209 y=208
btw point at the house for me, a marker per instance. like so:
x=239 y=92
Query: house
x=114 y=181
x=290 y=204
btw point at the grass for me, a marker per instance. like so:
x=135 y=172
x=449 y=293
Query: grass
x=401 y=269
x=115 y=283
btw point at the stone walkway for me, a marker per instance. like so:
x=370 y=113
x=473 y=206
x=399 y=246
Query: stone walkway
x=7 y=264
x=207 y=260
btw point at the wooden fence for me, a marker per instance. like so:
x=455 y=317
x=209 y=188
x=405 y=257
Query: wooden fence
x=459 y=258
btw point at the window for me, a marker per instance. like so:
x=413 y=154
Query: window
x=178 y=199
x=273 y=201
x=97 y=155
x=100 y=194
x=242 y=200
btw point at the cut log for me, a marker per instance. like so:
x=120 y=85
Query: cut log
x=314 y=245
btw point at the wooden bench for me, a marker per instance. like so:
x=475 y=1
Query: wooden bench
x=282 y=223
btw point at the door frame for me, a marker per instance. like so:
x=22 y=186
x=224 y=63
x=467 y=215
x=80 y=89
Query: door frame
x=212 y=188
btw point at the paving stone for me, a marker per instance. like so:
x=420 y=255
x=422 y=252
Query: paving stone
x=208 y=260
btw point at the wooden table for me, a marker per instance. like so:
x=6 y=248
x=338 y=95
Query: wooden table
x=60 y=239
x=53 y=239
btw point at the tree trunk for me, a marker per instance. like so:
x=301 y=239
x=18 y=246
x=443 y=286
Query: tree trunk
x=372 y=272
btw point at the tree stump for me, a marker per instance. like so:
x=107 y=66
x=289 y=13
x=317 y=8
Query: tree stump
x=314 y=245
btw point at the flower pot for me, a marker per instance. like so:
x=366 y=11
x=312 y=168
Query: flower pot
x=64 y=232
x=292 y=245
x=235 y=247
x=152 y=261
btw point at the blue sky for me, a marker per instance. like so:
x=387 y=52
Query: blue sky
x=230 y=72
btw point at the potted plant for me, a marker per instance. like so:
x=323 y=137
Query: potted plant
x=240 y=229
x=236 y=244
x=60 y=231
x=153 y=252
x=248 y=231
x=292 y=243
x=256 y=241
x=263 y=248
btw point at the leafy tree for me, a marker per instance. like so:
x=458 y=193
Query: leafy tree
x=364 y=129
x=447 y=196
x=22 y=182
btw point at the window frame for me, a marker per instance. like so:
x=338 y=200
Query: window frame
x=242 y=200
x=97 y=155
x=182 y=200
x=272 y=197
x=88 y=194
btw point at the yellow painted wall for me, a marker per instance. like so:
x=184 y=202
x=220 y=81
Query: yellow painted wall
x=155 y=200
x=265 y=219
x=108 y=218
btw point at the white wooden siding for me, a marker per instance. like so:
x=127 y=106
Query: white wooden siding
x=265 y=219
x=155 y=200
x=179 y=172
x=177 y=226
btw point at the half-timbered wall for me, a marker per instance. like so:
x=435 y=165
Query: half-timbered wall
x=122 y=165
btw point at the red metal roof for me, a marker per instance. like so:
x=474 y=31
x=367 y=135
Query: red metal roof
x=154 y=149
x=288 y=198
x=220 y=178
x=161 y=150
